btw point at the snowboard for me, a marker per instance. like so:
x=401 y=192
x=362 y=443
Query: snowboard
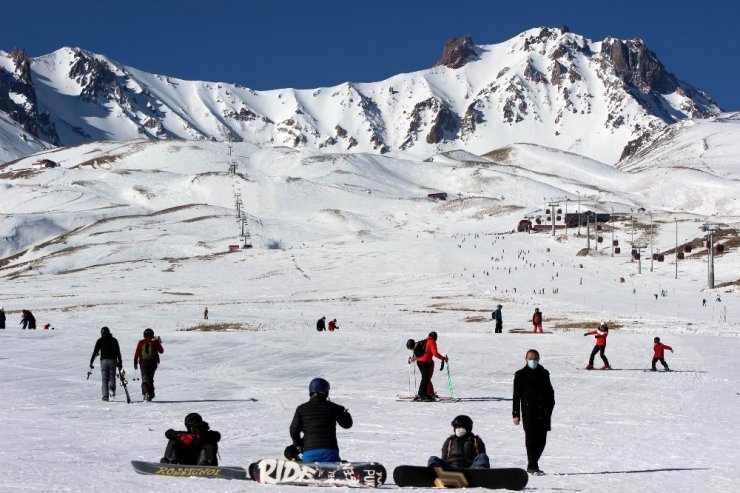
x=124 y=384
x=223 y=472
x=427 y=477
x=278 y=471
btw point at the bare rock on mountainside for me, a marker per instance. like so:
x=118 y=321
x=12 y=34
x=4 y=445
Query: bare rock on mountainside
x=457 y=52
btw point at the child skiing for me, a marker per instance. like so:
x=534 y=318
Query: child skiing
x=658 y=353
x=537 y=321
x=198 y=445
x=601 y=334
x=462 y=449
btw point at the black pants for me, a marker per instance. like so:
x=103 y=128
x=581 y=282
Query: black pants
x=598 y=349
x=535 y=440
x=178 y=453
x=147 y=369
x=499 y=327
x=662 y=362
x=424 y=370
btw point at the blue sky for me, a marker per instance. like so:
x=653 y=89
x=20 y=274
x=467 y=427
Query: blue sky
x=306 y=44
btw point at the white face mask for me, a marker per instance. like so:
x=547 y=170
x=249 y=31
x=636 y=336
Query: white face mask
x=460 y=432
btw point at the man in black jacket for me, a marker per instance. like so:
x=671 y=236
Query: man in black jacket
x=317 y=419
x=110 y=359
x=534 y=400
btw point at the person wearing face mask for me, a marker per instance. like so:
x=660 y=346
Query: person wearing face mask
x=534 y=400
x=462 y=449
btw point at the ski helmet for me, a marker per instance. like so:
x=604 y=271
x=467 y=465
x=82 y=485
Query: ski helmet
x=318 y=386
x=192 y=419
x=433 y=335
x=410 y=344
x=105 y=331
x=148 y=333
x=463 y=421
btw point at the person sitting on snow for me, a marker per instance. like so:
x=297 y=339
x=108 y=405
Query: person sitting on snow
x=462 y=449
x=196 y=446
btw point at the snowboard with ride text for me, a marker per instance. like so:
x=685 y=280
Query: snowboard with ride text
x=357 y=474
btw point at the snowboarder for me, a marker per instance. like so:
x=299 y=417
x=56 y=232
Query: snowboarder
x=462 y=449
x=205 y=314
x=601 y=334
x=317 y=420
x=2 y=318
x=321 y=324
x=534 y=400
x=198 y=445
x=110 y=359
x=147 y=355
x=425 y=362
x=659 y=352
x=537 y=321
x=28 y=320
x=333 y=325
x=496 y=315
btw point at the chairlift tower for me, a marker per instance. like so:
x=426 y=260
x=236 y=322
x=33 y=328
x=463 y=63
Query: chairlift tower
x=710 y=229
x=639 y=255
x=552 y=204
x=232 y=167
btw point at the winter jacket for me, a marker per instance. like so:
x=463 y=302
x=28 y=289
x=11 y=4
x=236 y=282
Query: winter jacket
x=317 y=419
x=534 y=398
x=459 y=452
x=430 y=351
x=537 y=318
x=2 y=319
x=157 y=346
x=321 y=324
x=659 y=350
x=601 y=336
x=108 y=348
x=496 y=315
x=332 y=325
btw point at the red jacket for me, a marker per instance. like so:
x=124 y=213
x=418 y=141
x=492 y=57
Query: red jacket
x=659 y=350
x=537 y=318
x=430 y=350
x=157 y=346
x=600 y=336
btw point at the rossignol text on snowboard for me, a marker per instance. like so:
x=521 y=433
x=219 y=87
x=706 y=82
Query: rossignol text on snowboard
x=124 y=383
x=223 y=472
x=428 y=477
x=357 y=474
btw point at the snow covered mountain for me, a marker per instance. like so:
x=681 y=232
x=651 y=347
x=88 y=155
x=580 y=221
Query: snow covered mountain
x=550 y=87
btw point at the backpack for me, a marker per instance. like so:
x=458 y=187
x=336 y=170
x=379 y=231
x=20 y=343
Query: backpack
x=419 y=348
x=148 y=353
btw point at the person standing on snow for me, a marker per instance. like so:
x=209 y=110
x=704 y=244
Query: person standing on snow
x=537 y=321
x=462 y=449
x=601 y=334
x=196 y=446
x=2 y=318
x=321 y=324
x=534 y=401
x=659 y=354
x=496 y=315
x=205 y=314
x=147 y=355
x=425 y=363
x=314 y=426
x=110 y=359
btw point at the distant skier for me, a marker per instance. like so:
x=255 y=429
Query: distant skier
x=534 y=401
x=496 y=315
x=333 y=325
x=198 y=445
x=462 y=449
x=205 y=314
x=537 y=321
x=28 y=320
x=704 y=302
x=147 y=355
x=2 y=318
x=425 y=363
x=314 y=426
x=601 y=334
x=321 y=324
x=110 y=359
x=659 y=354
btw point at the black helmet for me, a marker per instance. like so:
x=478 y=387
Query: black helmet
x=105 y=331
x=318 y=386
x=148 y=333
x=410 y=344
x=463 y=421
x=657 y=339
x=433 y=335
x=192 y=419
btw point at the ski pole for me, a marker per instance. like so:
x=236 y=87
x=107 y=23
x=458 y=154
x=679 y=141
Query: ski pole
x=409 y=378
x=450 y=386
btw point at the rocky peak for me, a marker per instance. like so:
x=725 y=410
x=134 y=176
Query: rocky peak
x=457 y=52
x=94 y=75
x=22 y=64
x=637 y=66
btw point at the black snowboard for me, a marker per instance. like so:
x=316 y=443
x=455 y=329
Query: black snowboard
x=274 y=471
x=223 y=472
x=428 y=477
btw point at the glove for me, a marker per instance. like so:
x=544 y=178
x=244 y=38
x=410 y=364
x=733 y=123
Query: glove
x=186 y=438
x=171 y=434
x=446 y=358
x=158 y=339
x=584 y=335
x=91 y=366
x=412 y=359
x=671 y=350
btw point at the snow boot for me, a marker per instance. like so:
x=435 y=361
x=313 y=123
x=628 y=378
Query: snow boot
x=589 y=366
x=606 y=367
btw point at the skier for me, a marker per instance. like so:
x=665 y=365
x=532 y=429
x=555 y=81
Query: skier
x=147 y=355
x=496 y=315
x=658 y=353
x=321 y=324
x=2 y=318
x=317 y=420
x=601 y=334
x=28 y=320
x=198 y=445
x=110 y=359
x=537 y=321
x=462 y=449
x=205 y=314
x=425 y=363
x=333 y=325
x=534 y=400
